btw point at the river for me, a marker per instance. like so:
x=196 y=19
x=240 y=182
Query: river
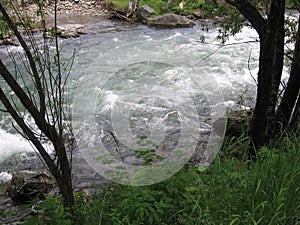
x=164 y=71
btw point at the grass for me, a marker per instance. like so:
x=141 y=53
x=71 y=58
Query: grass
x=230 y=191
x=122 y=5
x=159 y=5
x=119 y=4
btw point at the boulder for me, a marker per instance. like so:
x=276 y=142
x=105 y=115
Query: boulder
x=198 y=15
x=70 y=30
x=67 y=31
x=238 y=122
x=145 y=12
x=24 y=187
x=170 y=21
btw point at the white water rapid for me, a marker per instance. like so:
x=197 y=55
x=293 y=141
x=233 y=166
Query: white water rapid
x=123 y=61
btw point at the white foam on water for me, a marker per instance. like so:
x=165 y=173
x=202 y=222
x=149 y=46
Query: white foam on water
x=109 y=101
x=5 y=177
x=11 y=144
x=227 y=65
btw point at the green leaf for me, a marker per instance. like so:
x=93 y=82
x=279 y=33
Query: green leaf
x=201 y=168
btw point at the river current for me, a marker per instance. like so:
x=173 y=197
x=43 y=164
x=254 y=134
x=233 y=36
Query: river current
x=152 y=76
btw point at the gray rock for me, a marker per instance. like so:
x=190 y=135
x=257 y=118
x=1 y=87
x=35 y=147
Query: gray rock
x=70 y=30
x=25 y=187
x=170 y=21
x=238 y=122
x=145 y=12
x=198 y=15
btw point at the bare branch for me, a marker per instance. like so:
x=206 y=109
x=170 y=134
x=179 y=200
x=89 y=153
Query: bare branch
x=28 y=132
x=46 y=76
x=255 y=81
x=25 y=100
x=251 y=13
x=32 y=63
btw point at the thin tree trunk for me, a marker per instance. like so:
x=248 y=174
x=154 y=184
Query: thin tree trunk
x=132 y=7
x=62 y=174
x=59 y=166
x=168 y=5
x=65 y=180
x=288 y=101
x=276 y=23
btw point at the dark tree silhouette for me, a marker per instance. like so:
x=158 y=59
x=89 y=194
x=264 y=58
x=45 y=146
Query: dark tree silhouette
x=268 y=119
x=46 y=108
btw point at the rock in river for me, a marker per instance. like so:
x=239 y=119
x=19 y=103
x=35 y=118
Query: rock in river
x=170 y=20
x=67 y=31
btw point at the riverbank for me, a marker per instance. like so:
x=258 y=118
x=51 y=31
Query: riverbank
x=83 y=9
x=79 y=12
x=229 y=191
x=188 y=181
x=74 y=15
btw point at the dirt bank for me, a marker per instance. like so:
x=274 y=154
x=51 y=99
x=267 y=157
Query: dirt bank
x=69 y=11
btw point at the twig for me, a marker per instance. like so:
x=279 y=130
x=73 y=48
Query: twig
x=120 y=15
x=255 y=81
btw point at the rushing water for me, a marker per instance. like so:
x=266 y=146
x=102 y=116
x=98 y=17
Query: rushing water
x=164 y=71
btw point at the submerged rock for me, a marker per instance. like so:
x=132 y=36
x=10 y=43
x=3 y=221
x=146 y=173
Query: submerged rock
x=170 y=21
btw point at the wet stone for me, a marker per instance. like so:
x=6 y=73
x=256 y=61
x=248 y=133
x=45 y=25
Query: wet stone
x=25 y=187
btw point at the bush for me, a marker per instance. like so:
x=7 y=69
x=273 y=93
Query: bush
x=230 y=191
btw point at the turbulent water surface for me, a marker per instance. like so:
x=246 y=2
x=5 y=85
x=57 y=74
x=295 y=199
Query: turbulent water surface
x=156 y=83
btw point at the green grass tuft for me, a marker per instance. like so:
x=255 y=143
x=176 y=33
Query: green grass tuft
x=230 y=191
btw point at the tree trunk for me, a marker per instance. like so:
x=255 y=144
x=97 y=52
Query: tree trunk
x=276 y=23
x=263 y=106
x=271 y=33
x=64 y=181
x=168 y=5
x=51 y=129
x=288 y=101
x=62 y=172
x=269 y=76
x=132 y=7
x=65 y=184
